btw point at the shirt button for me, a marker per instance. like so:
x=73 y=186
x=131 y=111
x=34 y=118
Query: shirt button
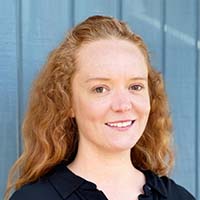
x=148 y=187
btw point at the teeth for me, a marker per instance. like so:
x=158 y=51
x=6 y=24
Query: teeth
x=120 y=124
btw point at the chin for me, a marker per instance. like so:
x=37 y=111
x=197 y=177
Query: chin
x=122 y=147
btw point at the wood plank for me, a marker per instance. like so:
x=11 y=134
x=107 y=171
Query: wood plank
x=8 y=90
x=180 y=82
x=146 y=19
x=84 y=9
x=45 y=24
x=198 y=104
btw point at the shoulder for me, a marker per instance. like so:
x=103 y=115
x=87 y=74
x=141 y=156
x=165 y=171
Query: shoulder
x=39 y=190
x=175 y=191
x=166 y=187
x=59 y=183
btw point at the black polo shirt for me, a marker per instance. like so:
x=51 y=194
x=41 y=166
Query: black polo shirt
x=61 y=183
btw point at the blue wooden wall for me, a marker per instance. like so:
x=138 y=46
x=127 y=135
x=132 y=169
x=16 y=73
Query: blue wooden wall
x=29 y=29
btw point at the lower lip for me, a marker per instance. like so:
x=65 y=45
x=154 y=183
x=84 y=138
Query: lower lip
x=121 y=128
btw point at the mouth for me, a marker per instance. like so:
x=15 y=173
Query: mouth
x=121 y=124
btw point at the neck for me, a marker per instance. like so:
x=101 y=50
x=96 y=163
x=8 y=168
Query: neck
x=110 y=171
x=97 y=165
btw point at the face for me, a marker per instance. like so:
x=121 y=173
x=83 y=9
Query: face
x=110 y=95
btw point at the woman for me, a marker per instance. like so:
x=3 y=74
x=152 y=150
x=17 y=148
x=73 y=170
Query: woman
x=98 y=123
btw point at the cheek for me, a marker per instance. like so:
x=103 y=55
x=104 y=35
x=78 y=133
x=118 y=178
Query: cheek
x=142 y=105
x=86 y=109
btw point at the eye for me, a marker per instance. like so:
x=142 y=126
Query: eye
x=100 y=89
x=136 y=87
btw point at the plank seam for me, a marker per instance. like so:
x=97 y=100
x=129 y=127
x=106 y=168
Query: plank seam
x=19 y=74
x=197 y=150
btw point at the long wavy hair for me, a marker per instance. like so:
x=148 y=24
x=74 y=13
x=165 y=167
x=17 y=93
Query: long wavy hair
x=50 y=135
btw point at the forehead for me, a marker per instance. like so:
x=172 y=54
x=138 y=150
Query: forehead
x=111 y=55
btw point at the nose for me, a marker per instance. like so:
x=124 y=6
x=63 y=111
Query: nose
x=121 y=102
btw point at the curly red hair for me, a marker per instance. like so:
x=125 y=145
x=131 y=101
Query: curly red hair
x=49 y=133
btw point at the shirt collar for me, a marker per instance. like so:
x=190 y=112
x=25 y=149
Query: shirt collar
x=155 y=182
x=66 y=182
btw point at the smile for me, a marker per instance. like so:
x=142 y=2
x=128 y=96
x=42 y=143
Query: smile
x=122 y=124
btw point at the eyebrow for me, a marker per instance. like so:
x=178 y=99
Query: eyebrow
x=108 y=79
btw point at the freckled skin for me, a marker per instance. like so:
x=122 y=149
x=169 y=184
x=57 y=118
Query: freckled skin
x=110 y=85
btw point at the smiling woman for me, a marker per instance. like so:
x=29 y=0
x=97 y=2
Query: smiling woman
x=98 y=124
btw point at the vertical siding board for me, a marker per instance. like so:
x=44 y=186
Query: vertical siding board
x=8 y=89
x=198 y=128
x=84 y=9
x=44 y=26
x=119 y=9
x=146 y=18
x=72 y=10
x=163 y=38
x=198 y=103
x=180 y=81
x=19 y=75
